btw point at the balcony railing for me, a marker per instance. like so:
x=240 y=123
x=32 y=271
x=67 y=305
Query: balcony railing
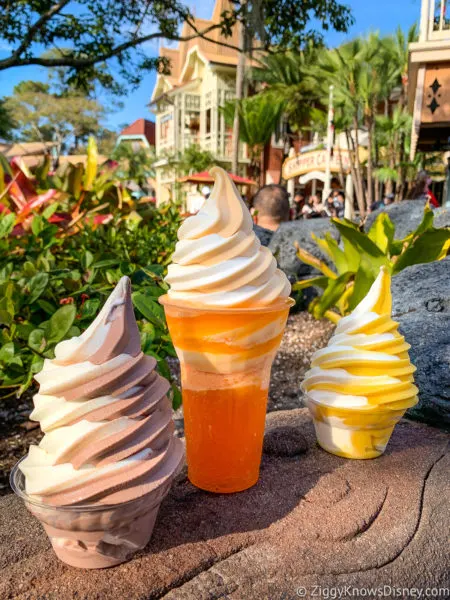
x=220 y=145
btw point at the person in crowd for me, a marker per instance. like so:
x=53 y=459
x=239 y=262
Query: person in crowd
x=317 y=208
x=299 y=203
x=387 y=199
x=307 y=208
x=329 y=205
x=338 y=205
x=270 y=209
x=422 y=190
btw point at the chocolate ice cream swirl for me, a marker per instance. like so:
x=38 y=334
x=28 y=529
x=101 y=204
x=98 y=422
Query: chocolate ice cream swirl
x=105 y=414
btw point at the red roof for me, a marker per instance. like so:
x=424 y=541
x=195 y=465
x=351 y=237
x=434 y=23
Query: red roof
x=141 y=127
x=205 y=177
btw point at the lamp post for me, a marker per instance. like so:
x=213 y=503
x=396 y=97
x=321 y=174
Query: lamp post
x=330 y=140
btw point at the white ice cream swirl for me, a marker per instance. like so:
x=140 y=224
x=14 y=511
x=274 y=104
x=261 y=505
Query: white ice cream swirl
x=366 y=363
x=218 y=260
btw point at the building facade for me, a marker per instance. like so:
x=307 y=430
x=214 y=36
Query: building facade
x=140 y=134
x=187 y=105
x=429 y=79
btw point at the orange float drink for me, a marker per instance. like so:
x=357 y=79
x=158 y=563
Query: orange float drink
x=226 y=356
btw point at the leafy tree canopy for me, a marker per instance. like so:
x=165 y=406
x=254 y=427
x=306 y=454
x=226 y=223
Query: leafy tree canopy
x=115 y=32
x=41 y=114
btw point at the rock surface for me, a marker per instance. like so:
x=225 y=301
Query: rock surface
x=407 y=215
x=312 y=520
x=421 y=304
x=282 y=244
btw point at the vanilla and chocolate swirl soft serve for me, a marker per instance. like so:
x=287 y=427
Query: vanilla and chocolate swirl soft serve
x=105 y=414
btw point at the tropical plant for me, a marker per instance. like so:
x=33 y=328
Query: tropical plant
x=195 y=160
x=52 y=286
x=258 y=119
x=135 y=164
x=358 y=261
x=80 y=192
x=287 y=79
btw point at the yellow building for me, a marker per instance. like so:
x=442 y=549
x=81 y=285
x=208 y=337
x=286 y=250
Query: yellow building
x=186 y=102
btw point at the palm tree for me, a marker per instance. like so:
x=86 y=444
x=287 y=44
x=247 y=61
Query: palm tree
x=258 y=118
x=388 y=132
x=287 y=78
x=135 y=164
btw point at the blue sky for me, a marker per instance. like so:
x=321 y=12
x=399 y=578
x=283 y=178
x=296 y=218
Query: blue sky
x=382 y=15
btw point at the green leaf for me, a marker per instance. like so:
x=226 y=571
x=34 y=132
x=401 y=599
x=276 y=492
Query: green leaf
x=37 y=340
x=127 y=268
x=60 y=323
x=5 y=317
x=37 y=285
x=90 y=309
x=330 y=247
x=335 y=289
x=7 y=352
x=50 y=210
x=382 y=232
x=87 y=259
x=7 y=223
x=23 y=330
x=363 y=281
x=352 y=255
x=28 y=269
x=101 y=264
x=426 y=223
x=357 y=238
x=426 y=248
x=176 y=397
x=303 y=284
x=150 y=310
x=46 y=306
x=37 y=225
x=163 y=368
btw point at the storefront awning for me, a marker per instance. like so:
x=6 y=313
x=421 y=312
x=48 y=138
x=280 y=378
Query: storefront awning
x=205 y=177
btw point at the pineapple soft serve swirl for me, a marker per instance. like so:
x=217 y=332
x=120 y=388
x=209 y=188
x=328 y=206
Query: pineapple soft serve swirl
x=366 y=365
x=218 y=260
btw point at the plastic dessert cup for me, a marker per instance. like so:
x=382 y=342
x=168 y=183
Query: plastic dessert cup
x=93 y=536
x=353 y=433
x=226 y=356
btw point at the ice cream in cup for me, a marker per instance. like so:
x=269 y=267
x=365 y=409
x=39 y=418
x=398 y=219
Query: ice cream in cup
x=361 y=384
x=226 y=310
x=108 y=456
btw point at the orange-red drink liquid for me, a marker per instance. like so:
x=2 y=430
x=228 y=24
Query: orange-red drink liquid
x=226 y=357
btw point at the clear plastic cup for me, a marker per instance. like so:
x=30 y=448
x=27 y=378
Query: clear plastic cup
x=92 y=536
x=353 y=433
x=226 y=356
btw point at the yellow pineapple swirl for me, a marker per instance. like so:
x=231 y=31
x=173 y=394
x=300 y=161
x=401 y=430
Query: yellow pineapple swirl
x=366 y=365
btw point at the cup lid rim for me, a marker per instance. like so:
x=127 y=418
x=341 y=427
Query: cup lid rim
x=280 y=304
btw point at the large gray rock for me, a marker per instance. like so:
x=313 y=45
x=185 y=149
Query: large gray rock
x=313 y=521
x=442 y=217
x=283 y=240
x=421 y=304
x=407 y=215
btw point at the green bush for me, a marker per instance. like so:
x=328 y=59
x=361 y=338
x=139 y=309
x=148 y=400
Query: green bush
x=357 y=262
x=52 y=285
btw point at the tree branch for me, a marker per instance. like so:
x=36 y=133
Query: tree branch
x=79 y=63
x=37 y=25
